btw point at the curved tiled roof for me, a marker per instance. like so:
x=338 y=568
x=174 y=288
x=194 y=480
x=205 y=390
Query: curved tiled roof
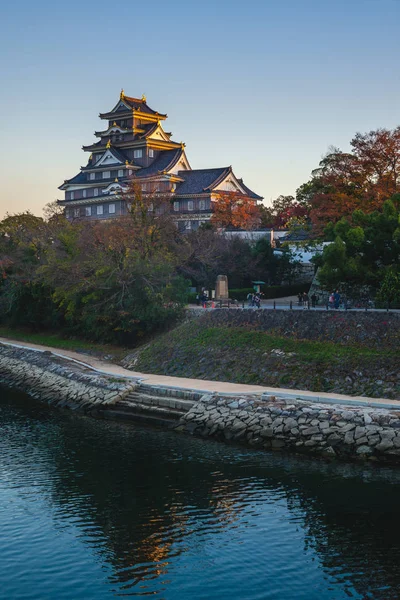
x=250 y=192
x=119 y=155
x=200 y=181
x=138 y=103
x=165 y=161
x=80 y=178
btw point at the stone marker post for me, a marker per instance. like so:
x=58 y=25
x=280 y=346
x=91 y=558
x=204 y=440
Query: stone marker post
x=221 y=288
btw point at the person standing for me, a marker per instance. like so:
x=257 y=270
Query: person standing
x=336 y=299
x=313 y=300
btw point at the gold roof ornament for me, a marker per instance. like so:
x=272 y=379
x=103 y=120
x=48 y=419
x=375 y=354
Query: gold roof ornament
x=127 y=162
x=115 y=124
x=122 y=94
x=116 y=180
x=108 y=145
x=144 y=99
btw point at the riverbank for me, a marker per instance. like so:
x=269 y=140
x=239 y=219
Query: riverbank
x=353 y=354
x=320 y=425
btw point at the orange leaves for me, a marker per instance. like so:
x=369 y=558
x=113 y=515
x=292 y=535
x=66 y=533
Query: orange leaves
x=362 y=179
x=231 y=209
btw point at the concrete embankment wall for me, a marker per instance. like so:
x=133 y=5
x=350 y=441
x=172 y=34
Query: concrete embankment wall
x=269 y=422
x=59 y=382
x=372 y=329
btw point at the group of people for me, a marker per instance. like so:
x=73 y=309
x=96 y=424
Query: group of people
x=304 y=299
x=254 y=299
x=334 y=300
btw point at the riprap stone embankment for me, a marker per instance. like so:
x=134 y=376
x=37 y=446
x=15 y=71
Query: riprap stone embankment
x=269 y=422
x=260 y=421
x=58 y=381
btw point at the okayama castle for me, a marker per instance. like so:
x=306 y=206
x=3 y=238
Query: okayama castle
x=135 y=146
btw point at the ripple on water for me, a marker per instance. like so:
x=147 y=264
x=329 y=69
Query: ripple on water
x=97 y=510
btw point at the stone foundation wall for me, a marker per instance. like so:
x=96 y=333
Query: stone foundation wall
x=374 y=329
x=58 y=381
x=327 y=430
x=259 y=421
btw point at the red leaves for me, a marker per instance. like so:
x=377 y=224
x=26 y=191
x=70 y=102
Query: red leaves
x=231 y=209
x=362 y=179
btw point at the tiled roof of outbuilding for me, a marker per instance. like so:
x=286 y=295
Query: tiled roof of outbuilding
x=250 y=192
x=200 y=181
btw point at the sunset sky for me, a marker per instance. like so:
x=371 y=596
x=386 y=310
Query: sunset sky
x=263 y=86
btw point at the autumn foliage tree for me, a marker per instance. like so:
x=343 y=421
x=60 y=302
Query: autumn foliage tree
x=231 y=209
x=284 y=212
x=358 y=180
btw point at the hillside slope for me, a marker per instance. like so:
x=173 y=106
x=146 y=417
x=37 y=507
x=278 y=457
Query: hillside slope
x=218 y=346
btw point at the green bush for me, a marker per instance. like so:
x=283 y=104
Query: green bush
x=192 y=298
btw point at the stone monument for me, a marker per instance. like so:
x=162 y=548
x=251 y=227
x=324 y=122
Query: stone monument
x=221 y=288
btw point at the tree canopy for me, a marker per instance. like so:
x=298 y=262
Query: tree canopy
x=365 y=249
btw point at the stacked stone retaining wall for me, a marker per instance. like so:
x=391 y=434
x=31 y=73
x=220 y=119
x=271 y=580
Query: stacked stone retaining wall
x=58 y=381
x=268 y=422
x=372 y=328
x=259 y=421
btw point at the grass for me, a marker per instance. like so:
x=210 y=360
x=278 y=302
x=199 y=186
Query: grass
x=56 y=340
x=218 y=339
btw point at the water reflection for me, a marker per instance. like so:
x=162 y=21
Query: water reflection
x=176 y=517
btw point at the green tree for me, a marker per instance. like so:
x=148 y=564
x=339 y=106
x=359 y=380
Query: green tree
x=365 y=247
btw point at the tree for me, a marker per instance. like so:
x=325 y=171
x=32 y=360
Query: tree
x=361 y=179
x=389 y=291
x=231 y=209
x=365 y=248
x=272 y=266
x=285 y=212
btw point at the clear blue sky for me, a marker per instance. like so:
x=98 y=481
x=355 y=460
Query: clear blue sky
x=264 y=86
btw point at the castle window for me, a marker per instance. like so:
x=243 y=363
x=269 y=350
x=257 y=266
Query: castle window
x=120 y=172
x=151 y=207
x=71 y=195
x=84 y=193
x=106 y=174
x=176 y=206
x=88 y=211
x=77 y=212
x=188 y=225
x=190 y=205
x=95 y=192
x=130 y=172
x=92 y=176
x=111 y=209
x=202 y=204
x=151 y=153
x=100 y=209
x=138 y=153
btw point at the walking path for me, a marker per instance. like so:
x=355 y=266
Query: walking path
x=221 y=387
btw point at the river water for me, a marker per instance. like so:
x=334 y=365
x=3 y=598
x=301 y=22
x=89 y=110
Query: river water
x=98 y=510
